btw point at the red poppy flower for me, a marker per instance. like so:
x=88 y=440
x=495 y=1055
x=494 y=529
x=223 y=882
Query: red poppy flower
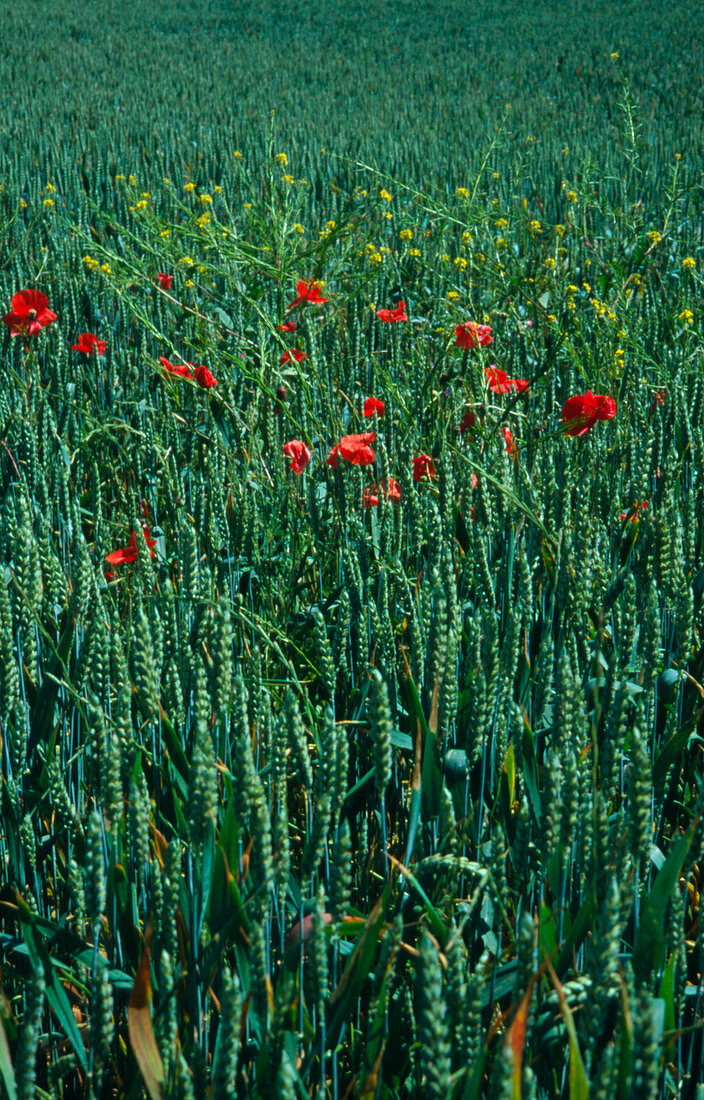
x=307 y=290
x=292 y=353
x=204 y=378
x=355 y=449
x=181 y=370
x=165 y=280
x=89 y=342
x=507 y=435
x=468 y=421
x=372 y=405
x=423 y=467
x=391 y=316
x=29 y=313
x=659 y=399
x=288 y=326
x=129 y=553
x=371 y=496
x=472 y=335
x=499 y=382
x=331 y=460
x=580 y=413
x=299 y=455
x=634 y=513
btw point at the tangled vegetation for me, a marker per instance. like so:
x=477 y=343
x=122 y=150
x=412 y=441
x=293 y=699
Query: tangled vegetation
x=351 y=551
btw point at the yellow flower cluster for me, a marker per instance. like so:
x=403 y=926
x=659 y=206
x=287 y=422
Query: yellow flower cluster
x=190 y=186
x=654 y=236
x=50 y=189
x=385 y=195
x=106 y=269
x=406 y=234
x=48 y=202
x=550 y=263
x=282 y=158
x=689 y=263
x=535 y=228
x=686 y=317
x=206 y=199
x=462 y=193
x=298 y=229
x=501 y=223
x=90 y=263
x=414 y=252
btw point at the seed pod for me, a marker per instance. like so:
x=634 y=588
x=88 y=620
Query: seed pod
x=436 y=1063
x=228 y=1044
x=381 y=728
x=95 y=884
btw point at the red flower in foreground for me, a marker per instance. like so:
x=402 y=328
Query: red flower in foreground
x=165 y=280
x=468 y=421
x=181 y=370
x=288 y=326
x=204 y=378
x=423 y=467
x=372 y=405
x=580 y=413
x=472 y=335
x=299 y=454
x=507 y=435
x=634 y=513
x=129 y=553
x=371 y=496
x=88 y=342
x=30 y=313
x=499 y=382
x=659 y=399
x=391 y=316
x=292 y=353
x=355 y=449
x=307 y=290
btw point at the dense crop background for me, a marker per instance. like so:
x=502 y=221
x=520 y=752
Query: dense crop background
x=311 y=797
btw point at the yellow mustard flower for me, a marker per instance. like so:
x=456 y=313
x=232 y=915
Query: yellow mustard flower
x=206 y=199
x=462 y=193
x=686 y=317
x=48 y=202
x=282 y=158
x=406 y=234
x=385 y=195
x=414 y=252
x=105 y=268
x=689 y=263
x=190 y=186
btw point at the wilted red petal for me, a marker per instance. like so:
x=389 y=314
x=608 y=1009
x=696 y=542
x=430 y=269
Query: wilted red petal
x=88 y=343
x=355 y=449
x=299 y=454
x=204 y=378
x=293 y=353
x=423 y=467
x=372 y=405
x=472 y=335
x=391 y=316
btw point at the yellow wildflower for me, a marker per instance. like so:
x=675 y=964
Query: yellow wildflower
x=190 y=186
x=689 y=263
x=206 y=199
x=462 y=193
x=48 y=202
x=385 y=195
x=686 y=317
x=282 y=158
x=406 y=234
x=105 y=268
